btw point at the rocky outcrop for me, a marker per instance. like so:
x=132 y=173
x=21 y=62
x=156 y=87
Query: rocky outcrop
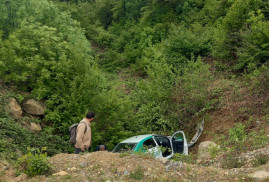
x=35 y=127
x=21 y=178
x=204 y=150
x=15 y=108
x=61 y=173
x=260 y=175
x=34 y=107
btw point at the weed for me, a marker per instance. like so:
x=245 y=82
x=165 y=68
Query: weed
x=190 y=159
x=145 y=152
x=260 y=159
x=114 y=170
x=138 y=174
x=67 y=177
x=232 y=161
x=2 y=173
x=17 y=173
x=35 y=162
x=215 y=151
x=101 y=173
x=124 y=154
x=237 y=133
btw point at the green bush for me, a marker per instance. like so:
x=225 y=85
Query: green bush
x=35 y=162
x=169 y=96
x=46 y=53
x=240 y=37
x=255 y=48
x=190 y=92
x=152 y=96
x=184 y=43
x=237 y=133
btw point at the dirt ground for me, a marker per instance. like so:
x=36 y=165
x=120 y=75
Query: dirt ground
x=107 y=166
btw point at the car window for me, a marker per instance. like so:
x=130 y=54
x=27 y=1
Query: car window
x=124 y=147
x=165 y=145
x=178 y=143
x=148 y=144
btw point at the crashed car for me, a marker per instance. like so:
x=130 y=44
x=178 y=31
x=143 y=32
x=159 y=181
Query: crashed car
x=159 y=145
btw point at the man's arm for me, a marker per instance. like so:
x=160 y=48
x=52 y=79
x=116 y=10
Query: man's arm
x=80 y=134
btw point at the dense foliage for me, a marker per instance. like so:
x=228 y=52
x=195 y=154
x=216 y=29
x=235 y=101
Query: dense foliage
x=142 y=66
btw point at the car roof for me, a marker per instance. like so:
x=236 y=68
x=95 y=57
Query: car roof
x=136 y=139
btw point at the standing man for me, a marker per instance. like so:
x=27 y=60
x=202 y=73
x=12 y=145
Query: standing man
x=84 y=133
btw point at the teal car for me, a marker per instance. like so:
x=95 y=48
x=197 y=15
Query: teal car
x=159 y=145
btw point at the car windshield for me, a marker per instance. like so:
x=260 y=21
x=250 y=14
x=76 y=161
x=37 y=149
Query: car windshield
x=124 y=147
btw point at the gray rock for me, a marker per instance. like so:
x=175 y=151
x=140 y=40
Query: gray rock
x=258 y=122
x=167 y=168
x=5 y=168
x=35 y=127
x=163 y=160
x=34 y=107
x=203 y=151
x=126 y=173
x=15 y=108
x=260 y=175
x=178 y=164
x=23 y=177
x=83 y=164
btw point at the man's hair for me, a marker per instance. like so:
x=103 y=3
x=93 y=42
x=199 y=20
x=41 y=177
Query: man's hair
x=90 y=115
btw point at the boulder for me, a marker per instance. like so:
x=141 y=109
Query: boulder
x=15 y=108
x=203 y=150
x=21 y=178
x=34 y=107
x=61 y=173
x=35 y=127
x=260 y=175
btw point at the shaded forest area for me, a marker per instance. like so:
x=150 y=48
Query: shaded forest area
x=142 y=66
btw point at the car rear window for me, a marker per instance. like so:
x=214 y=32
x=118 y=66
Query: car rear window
x=124 y=147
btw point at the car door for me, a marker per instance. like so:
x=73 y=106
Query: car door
x=179 y=143
x=151 y=146
x=199 y=130
x=164 y=143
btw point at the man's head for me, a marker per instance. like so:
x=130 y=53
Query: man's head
x=102 y=147
x=90 y=115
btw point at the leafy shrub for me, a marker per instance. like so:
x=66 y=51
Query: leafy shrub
x=237 y=133
x=15 y=139
x=183 y=43
x=47 y=54
x=227 y=38
x=153 y=97
x=35 y=162
x=190 y=92
x=255 y=48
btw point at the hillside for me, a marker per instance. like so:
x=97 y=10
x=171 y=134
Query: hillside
x=143 y=67
x=107 y=166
